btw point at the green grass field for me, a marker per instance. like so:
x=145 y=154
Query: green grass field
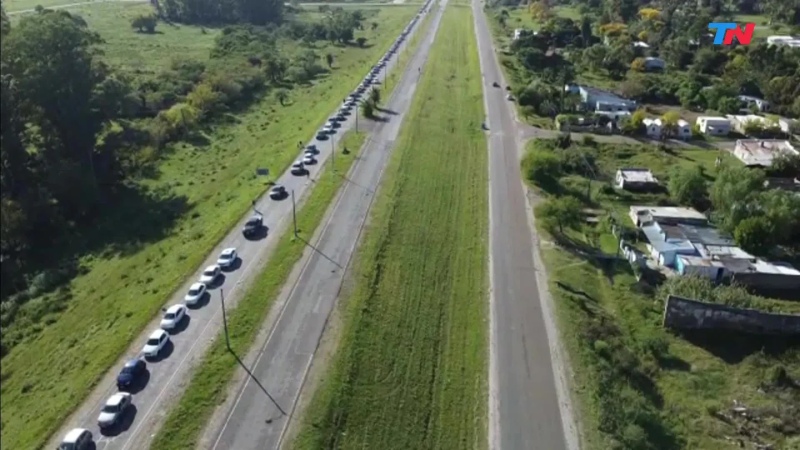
x=120 y=294
x=763 y=28
x=410 y=371
x=208 y=387
x=669 y=397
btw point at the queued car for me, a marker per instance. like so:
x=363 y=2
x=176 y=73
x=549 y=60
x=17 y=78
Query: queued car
x=253 y=224
x=115 y=408
x=210 y=274
x=77 y=439
x=195 y=293
x=227 y=257
x=298 y=168
x=278 y=192
x=172 y=317
x=321 y=136
x=130 y=373
x=155 y=343
x=328 y=128
x=309 y=160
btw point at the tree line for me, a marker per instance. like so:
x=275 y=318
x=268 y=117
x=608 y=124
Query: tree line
x=77 y=136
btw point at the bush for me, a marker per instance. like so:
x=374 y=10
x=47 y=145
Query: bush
x=542 y=168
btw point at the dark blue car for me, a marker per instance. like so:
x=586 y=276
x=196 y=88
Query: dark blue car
x=130 y=372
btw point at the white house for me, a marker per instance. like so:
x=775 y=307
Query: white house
x=788 y=41
x=634 y=179
x=761 y=152
x=640 y=44
x=759 y=103
x=684 y=130
x=644 y=215
x=652 y=63
x=600 y=100
x=714 y=125
x=741 y=121
x=653 y=127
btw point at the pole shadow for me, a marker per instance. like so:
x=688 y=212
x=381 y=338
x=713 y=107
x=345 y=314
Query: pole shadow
x=318 y=251
x=260 y=386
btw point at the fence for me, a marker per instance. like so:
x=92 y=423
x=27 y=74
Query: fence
x=683 y=313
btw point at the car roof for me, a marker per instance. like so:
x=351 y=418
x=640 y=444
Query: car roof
x=229 y=250
x=210 y=268
x=132 y=362
x=73 y=435
x=174 y=308
x=116 y=398
x=157 y=334
x=196 y=286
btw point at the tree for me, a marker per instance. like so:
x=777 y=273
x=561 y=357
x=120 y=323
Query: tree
x=329 y=60
x=275 y=67
x=669 y=124
x=687 y=186
x=374 y=26
x=755 y=235
x=542 y=168
x=282 y=95
x=639 y=65
x=375 y=96
x=368 y=110
x=5 y=25
x=786 y=165
x=145 y=23
x=732 y=191
x=361 y=41
x=559 y=213
x=728 y=105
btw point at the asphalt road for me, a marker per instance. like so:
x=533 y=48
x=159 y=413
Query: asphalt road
x=524 y=408
x=254 y=421
x=167 y=376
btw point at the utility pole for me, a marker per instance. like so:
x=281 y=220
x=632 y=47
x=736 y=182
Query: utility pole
x=294 y=214
x=333 y=155
x=225 y=319
x=356 y=108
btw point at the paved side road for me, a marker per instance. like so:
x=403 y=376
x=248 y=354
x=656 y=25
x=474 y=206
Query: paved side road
x=254 y=422
x=524 y=407
x=166 y=376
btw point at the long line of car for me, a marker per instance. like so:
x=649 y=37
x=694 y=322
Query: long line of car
x=133 y=371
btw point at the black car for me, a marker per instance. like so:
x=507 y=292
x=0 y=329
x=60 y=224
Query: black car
x=253 y=224
x=495 y=84
x=130 y=372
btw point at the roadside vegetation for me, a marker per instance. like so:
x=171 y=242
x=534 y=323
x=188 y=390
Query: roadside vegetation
x=108 y=207
x=641 y=386
x=605 y=45
x=410 y=369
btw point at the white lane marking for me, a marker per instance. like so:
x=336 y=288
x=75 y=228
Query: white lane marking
x=284 y=307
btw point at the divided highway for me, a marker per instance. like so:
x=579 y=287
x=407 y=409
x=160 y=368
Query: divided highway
x=523 y=395
x=188 y=342
x=254 y=421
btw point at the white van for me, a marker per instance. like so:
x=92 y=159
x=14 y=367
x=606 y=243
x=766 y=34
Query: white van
x=77 y=439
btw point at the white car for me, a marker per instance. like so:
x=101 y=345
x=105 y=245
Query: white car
x=328 y=128
x=157 y=340
x=195 y=293
x=114 y=409
x=227 y=257
x=210 y=274
x=173 y=317
x=309 y=160
x=510 y=97
x=77 y=439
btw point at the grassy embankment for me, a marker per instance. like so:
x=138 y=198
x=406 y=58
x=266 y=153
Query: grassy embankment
x=210 y=381
x=640 y=386
x=121 y=292
x=410 y=369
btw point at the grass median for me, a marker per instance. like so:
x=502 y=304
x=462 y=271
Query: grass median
x=210 y=381
x=410 y=368
x=121 y=291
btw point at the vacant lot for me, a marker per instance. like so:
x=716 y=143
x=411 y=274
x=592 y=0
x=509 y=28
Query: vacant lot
x=410 y=371
x=639 y=385
x=53 y=368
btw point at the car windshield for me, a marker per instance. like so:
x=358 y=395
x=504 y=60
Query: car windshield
x=194 y=291
x=110 y=408
x=226 y=256
x=209 y=272
x=129 y=369
x=152 y=341
x=169 y=316
x=67 y=446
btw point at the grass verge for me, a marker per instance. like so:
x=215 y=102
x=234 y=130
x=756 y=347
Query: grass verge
x=410 y=369
x=210 y=381
x=123 y=290
x=640 y=386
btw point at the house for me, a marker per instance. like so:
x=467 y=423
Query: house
x=761 y=152
x=645 y=215
x=666 y=243
x=642 y=45
x=635 y=179
x=740 y=122
x=788 y=41
x=787 y=125
x=784 y=184
x=714 y=125
x=760 y=274
x=599 y=100
x=749 y=101
x=684 y=130
x=652 y=127
x=663 y=246
x=654 y=64
x=711 y=269
x=518 y=33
